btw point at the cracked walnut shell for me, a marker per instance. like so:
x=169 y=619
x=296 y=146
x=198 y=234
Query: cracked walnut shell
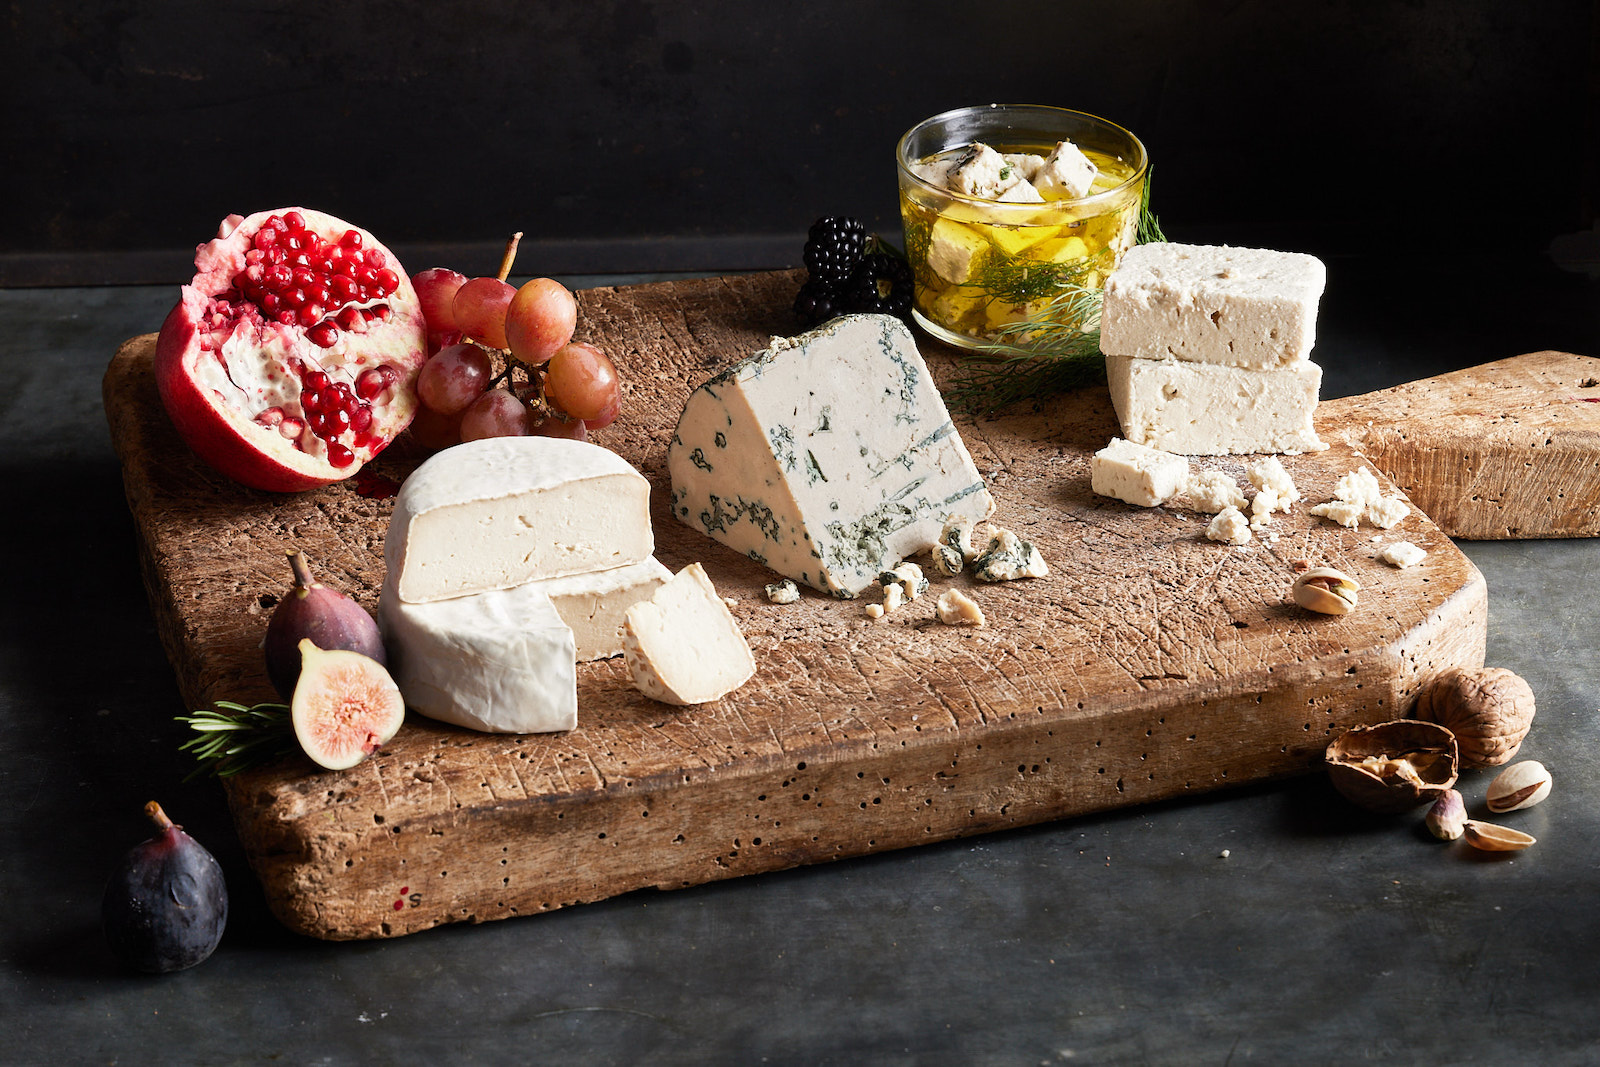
x=1393 y=766
x=1489 y=709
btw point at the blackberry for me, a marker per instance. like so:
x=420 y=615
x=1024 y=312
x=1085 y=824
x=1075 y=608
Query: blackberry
x=835 y=246
x=880 y=284
x=817 y=302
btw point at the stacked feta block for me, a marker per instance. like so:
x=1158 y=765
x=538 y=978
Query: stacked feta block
x=509 y=561
x=1207 y=348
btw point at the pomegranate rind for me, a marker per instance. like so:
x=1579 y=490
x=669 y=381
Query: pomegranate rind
x=345 y=707
x=214 y=408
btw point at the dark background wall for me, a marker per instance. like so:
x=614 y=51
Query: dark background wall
x=650 y=135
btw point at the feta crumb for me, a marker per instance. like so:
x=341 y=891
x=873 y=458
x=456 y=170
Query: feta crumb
x=1402 y=554
x=1387 y=512
x=784 y=592
x=1229 y=527
x=1268 y=473
x=728 y=600
x=1357 y=487
x=1344 y=512
x=874 y=611
x=956 y=608
x=1212 y=491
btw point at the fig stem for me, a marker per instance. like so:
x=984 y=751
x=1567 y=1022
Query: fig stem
x=510 y=256
x=302 y=570
x=157 y=816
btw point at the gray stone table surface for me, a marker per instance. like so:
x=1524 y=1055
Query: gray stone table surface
x=1268 y=924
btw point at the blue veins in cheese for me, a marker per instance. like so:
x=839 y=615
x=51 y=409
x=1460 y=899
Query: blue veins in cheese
x=828 y=457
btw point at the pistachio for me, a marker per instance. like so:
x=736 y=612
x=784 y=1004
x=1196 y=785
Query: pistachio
x=1326 y=590
x=1447 y=819
x=1491 y=838
x=1521 y=785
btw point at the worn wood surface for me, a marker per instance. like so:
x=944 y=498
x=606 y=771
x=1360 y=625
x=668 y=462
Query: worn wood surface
x=1502 y=451
x=1152 y=663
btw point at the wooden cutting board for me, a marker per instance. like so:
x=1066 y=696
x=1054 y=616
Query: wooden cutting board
x=1151 y=663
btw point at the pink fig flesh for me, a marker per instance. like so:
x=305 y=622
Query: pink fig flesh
x=345 y=706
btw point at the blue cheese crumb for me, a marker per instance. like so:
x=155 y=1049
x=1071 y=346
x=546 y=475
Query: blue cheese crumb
x=1008 y=557
x=784 y=592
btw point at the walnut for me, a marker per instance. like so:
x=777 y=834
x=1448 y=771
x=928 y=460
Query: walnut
x=1393 y=766
x=1489 y=709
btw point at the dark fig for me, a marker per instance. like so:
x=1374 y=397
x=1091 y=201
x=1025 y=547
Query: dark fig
x=345 y=706
x=326 y=616
x=165 y=907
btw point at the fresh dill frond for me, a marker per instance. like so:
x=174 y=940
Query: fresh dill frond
x=1149 y=224
x=234 y=738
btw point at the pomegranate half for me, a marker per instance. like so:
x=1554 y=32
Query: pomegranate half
x=292 y=358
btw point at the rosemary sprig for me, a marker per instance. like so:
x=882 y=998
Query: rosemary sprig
x=1052 y=351
x=234 y=738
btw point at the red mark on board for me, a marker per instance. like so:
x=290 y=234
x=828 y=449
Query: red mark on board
x=374 y=486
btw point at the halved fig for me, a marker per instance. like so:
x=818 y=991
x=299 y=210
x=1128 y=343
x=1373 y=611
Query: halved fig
x=345 y=706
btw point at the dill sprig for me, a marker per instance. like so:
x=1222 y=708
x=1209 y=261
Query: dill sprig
x=234 y=738
x=1055 y=350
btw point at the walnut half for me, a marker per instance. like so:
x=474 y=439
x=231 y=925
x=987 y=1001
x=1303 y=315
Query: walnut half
x=1489 y=709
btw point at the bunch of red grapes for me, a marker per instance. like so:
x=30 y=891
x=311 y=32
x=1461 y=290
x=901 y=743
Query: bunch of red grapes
x=568 y=387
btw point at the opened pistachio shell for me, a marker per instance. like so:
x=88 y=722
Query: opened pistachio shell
x=1393 y=766
x=1491 y=838
x=1325 y=590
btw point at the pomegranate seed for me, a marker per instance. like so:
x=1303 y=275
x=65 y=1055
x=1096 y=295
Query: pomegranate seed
x=318 y=423
x=303 y=277
x=375 y=258
x=318 y=293
x=347 y=268
x=315 y=380
x=342 y=287
x=294 y=220
x=371 y=383
x=294 y=299
x=266 y=237
x=270 y=417
x=311 y=314
x=291 y=428
x=388 y=281
x=340 y=456
x=368 y=276
x=383 y=312
x=278 y=276
x=348 y=318
x=274 y=222
x=356 y=258
x=253 y=256
x=323 y=335
x=270 y=303
x=338 y=421
x=351 y=239
x=294 y=242
x=390 y=375
x=298 y=259
x=361 y=419
x=286 y=317
x=311 y=400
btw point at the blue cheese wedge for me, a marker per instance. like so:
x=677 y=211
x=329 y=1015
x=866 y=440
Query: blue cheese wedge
x=501 y=661
x=505 y=511
x=828 y=457
x=683 y=646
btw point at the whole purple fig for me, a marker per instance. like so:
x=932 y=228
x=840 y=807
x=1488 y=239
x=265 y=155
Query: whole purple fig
x=167 y=904
x=326 y=617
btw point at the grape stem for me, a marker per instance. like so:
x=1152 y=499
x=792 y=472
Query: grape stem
x=510 y=256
